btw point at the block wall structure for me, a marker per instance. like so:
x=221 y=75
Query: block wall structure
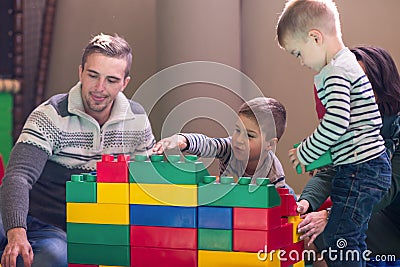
x=172 y=213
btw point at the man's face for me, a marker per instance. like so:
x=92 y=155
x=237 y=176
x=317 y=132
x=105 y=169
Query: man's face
x=102 y=79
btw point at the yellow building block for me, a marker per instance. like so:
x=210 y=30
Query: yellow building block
x=208 y=258
x=99 y=213
x=295 y=220
x=117 y=193
x=163 y=194
x=299 y=264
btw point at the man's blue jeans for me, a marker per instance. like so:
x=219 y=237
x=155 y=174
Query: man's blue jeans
x=49 y=244
x=355 y=190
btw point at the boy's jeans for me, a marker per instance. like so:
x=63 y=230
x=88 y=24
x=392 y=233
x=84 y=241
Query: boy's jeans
x=355 y=190
x=49 y=244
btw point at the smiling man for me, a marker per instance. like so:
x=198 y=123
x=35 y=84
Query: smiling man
x=66 y=135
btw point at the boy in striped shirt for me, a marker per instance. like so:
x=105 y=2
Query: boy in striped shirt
x=310 y=30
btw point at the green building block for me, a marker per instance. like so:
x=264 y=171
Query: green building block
x=100 y=234
x=215 y=239
x=260 y=195
x=78 y=190
x=6 y=125
x=98 y=254
x=324 y=160
x=162 y=172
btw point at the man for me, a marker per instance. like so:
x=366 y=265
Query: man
x=67 y=135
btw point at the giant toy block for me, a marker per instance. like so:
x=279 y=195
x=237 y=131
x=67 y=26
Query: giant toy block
x=174 y=214
x=324 y=160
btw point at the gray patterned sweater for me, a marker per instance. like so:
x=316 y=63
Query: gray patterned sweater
x=60 y=139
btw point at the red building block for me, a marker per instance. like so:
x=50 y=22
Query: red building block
x=1 y=169
x=163 y=237
x=162 y=257
x=111 y=171
x=292 y=254
x=256 y=218
x=288 y=205
x=254 y=240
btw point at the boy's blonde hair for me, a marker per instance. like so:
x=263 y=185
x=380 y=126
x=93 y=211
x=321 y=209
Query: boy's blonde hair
x=269 y=114
x=300 y=16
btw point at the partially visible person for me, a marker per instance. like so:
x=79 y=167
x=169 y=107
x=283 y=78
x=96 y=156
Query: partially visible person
x=383 y=234
x=250 y=150
x=310 y=30
x=66 y=135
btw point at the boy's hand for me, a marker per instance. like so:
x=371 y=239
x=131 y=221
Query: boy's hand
x=294 y=160
x=175 y=141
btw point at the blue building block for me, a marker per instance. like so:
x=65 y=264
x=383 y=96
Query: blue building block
x=215 y=217
x=168 y=216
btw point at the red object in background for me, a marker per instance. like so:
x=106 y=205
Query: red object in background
x=326 y=204
x=318 y=105
x=1 y=169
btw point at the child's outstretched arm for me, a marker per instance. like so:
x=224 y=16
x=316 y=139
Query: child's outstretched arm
x=175 y=141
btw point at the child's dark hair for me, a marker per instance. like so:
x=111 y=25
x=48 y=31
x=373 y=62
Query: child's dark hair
x=383 y=75
x=266 y=111
x=110 y=46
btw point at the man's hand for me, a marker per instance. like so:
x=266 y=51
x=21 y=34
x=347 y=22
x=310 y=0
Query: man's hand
x=312 y=225
x=17 y=245
x=175 y=141
x=302 y=206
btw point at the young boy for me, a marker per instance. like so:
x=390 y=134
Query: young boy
x=310 y=30
x=250 y=150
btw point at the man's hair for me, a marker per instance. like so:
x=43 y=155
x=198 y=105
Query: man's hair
x=110 y=46
x=383 y=75
x=300 y=16
x=269 y=114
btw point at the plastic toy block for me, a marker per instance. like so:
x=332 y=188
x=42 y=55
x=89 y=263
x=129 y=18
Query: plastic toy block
x=324 y=160
x=117 y=193
x=237 y=259
x=238 y=195
x=163 y=194
x=163 y=237
x=288 y=205
x=162 y=172
x=77 y=190
x=299 y=264
x=256 y=219
x=98 y=254
x=295 y=220
x=163 y=257
x=215 y=239
x=214 y=217
x=168 y=216
x=100 y=234
x=254 y=240
x=293 y=254
x=111 y=171
x=80 y=265
x=98 y=213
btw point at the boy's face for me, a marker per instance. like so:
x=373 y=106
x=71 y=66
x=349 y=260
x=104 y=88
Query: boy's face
x=247 y=141
x=310 y=52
